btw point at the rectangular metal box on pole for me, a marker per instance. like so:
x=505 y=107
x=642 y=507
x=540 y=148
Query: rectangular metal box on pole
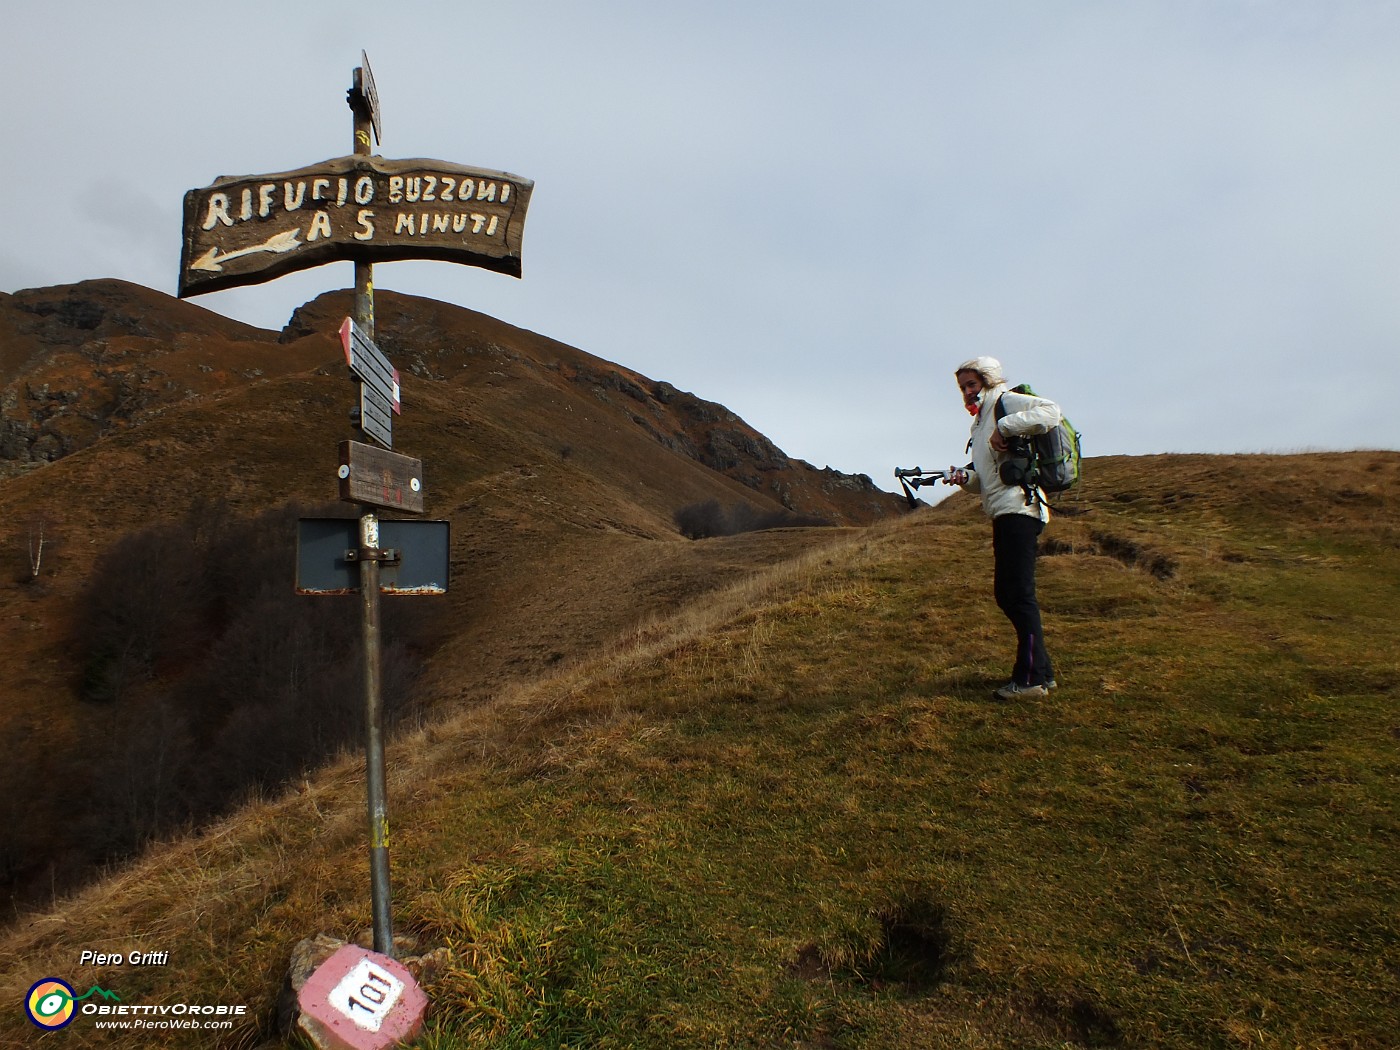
x=414 y=556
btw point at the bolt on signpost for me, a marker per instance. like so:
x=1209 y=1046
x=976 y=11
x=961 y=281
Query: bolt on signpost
x=250 y=229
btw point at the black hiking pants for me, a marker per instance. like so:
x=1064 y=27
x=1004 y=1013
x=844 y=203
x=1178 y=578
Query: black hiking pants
x=1014 y=539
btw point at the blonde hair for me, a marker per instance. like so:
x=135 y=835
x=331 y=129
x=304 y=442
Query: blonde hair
x=989 y=368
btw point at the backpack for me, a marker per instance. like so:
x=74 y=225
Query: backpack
x=1054 y=456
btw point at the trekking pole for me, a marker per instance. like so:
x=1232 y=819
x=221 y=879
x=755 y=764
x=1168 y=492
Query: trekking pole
x=917 y=477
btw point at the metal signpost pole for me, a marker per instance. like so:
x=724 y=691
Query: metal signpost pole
x=361 y=105
x=255 y=228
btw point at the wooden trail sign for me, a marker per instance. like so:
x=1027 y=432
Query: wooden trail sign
x=365 y=209
x=372 y=476
x=253 y=228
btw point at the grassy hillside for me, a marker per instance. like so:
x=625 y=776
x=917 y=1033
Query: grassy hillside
x=790 y=815
x=124 y=411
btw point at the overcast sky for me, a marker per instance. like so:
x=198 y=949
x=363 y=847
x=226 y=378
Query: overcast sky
x=1178 y=218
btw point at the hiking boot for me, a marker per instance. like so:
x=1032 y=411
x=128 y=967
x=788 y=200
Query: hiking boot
x=1017 y=691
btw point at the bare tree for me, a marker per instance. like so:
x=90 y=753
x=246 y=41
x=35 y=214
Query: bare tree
x=36 y=547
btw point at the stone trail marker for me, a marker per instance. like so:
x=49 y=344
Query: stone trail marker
x=361 y=1000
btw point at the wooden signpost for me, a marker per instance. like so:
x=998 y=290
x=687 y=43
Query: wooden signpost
x=252 y=228
x=369 y=475
x=363 y=208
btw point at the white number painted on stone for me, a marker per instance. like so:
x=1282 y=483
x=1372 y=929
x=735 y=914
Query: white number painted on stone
x=366 y=995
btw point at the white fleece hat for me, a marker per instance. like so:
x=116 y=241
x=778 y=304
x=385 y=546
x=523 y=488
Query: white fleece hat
x=989 y=368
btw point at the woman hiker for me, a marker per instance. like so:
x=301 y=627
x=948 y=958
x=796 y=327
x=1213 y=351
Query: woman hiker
x=1018 y=511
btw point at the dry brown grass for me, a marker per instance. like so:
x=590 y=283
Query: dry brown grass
x=786 y=814
x=560 y=474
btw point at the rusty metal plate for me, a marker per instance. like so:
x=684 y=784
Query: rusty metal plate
x=328 y=556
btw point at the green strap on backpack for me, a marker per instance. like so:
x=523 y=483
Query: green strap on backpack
x=1055 y=458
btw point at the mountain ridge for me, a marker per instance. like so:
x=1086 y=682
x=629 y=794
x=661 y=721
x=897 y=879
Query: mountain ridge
x=85 y=360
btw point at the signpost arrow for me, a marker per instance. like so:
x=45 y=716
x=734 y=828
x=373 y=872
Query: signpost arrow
x=367 y=95
x=375 y=417
x=369 y=363
x=379 y=383
x=212 y=262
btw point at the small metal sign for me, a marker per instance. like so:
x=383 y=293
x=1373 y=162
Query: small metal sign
x=253 y=228
x=413 y=556
x=375 y=417
x=379 y=383
x=372 y=476
x=368 y=362
x=369 y=96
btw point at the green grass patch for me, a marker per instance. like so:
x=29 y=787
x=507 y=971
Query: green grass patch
x=819 y=832
x=809 y=826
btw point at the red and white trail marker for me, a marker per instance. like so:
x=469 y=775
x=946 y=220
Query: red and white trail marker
x=361 y=1000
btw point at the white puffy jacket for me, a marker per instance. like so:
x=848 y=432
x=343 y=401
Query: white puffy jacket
x=1025 y=416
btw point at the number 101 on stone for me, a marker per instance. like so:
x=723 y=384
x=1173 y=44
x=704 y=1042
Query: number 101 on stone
x=361 y=1000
